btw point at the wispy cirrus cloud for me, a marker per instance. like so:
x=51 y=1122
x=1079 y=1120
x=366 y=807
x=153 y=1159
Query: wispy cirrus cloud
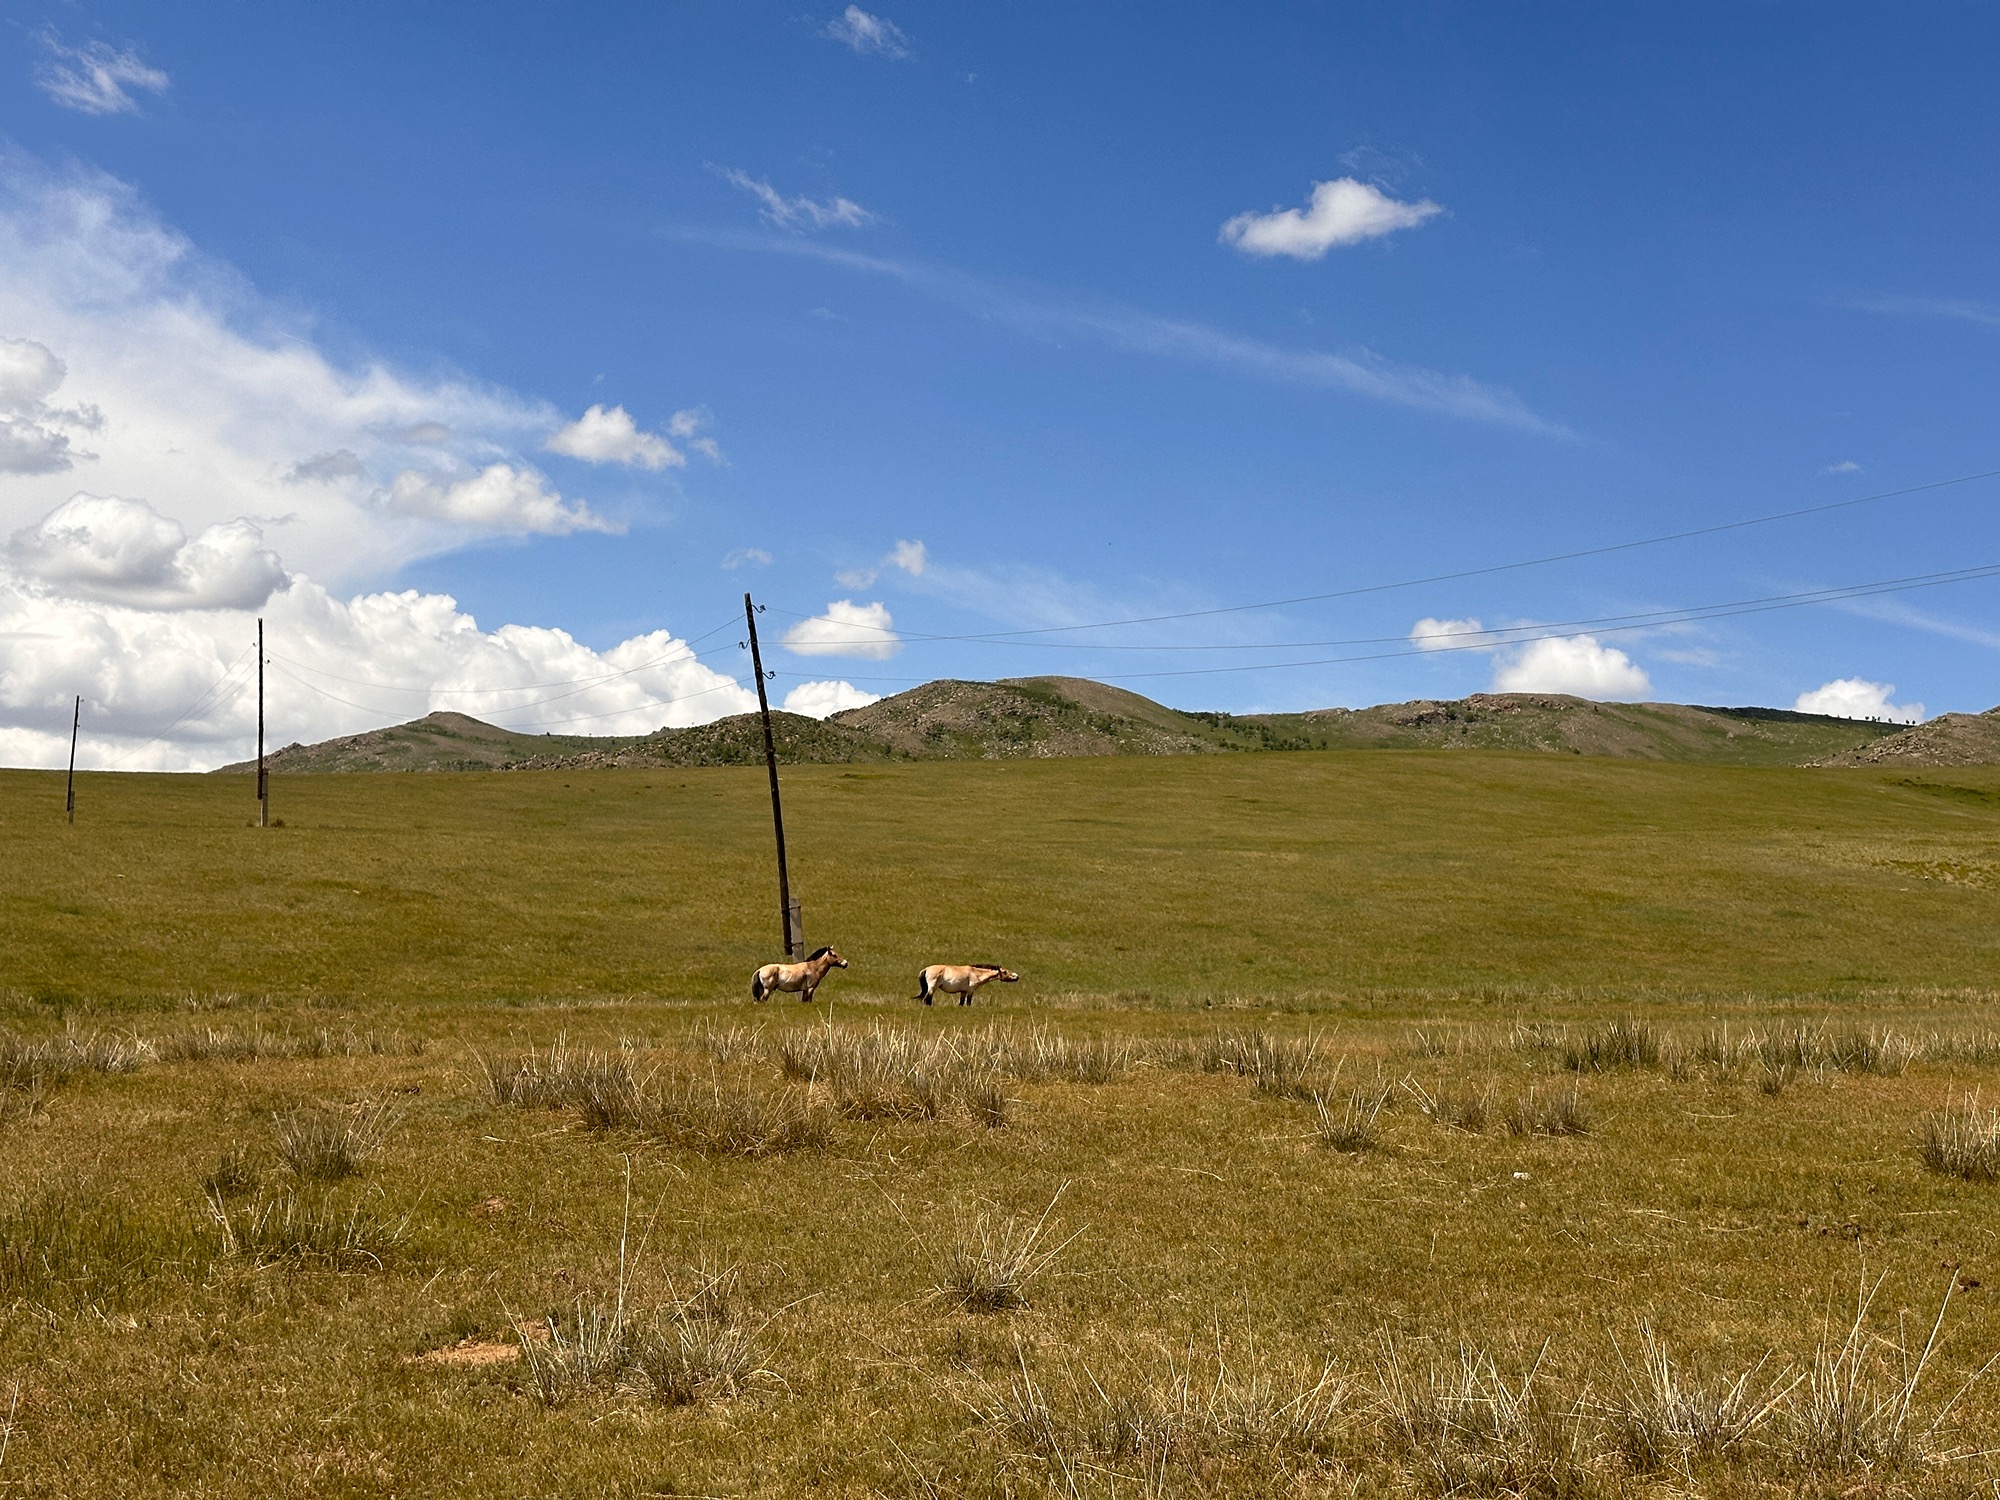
x=867 y=34
x=1963 y=310
x=95 y=78
x=911 y=557
x=1360 y=372
x=799 y=212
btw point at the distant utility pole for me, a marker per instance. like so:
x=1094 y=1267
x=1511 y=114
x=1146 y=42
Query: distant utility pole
x=69 y=796
x=788 y=914
x=263 y=776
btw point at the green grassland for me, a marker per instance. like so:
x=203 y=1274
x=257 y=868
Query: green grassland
x=1750 y=987
x=1184 y=879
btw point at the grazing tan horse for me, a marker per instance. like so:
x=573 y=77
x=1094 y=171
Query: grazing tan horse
x=795 y=979
x=962 y=980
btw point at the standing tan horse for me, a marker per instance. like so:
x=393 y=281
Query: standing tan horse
x=962 y=980
x=795 y=979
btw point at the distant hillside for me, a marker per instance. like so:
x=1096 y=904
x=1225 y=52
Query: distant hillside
x=1947 y=740
x=1041 y=717
x=1027 y=717
x=1578 y=726
x=456 y=742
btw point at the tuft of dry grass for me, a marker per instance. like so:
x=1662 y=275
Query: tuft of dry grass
x=708 y=1114
x=1668 y=1418
x=693 y=1349
x=1470 y=1428
x=1562 y=1113
x=1623 y=1042
x=1353 y=1128
x=309 y=1227
x=1205 y=1415
x=1857 y=1405
x=34 y=1069
x=720 y=1118
x=1460 y=1106
x=321 y=1143
x=679 y=1360
x=990 y=1261
x=1962 y=1140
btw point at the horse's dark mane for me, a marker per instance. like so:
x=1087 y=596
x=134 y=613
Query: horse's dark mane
x=818 y=953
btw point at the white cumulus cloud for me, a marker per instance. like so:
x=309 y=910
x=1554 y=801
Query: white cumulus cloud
x=1579 y=665
x=609 y=436
x=108 y=599
x=800 y=212
x=867 y=33
x=115 y=551
x=1342 y=212
x=94 y=78
x=1858 y=698
x=499 y=497
x=742 y=557
x=846 y=629
x=232 y=468
x=819 y=700
x=1447 y=635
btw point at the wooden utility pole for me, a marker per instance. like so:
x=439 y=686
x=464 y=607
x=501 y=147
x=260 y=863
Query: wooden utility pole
x=788 y=915
x=263 y=776
x=69 y=796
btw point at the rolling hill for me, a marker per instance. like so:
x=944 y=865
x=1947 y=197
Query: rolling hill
x=1061 y=717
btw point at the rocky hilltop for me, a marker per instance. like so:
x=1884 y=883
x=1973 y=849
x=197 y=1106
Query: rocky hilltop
x=1041 y=717
x=1947 y=740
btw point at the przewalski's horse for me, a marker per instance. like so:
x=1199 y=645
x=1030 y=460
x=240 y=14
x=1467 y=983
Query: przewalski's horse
x=795 y=979
x=962 y=980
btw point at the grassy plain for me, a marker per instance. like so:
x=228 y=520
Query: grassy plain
x=1805 y=960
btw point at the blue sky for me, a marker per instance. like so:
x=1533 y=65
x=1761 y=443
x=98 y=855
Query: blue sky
x=409 y=326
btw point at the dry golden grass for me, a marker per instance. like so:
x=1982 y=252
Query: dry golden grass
x=1234 y=1309
x=627 y=1237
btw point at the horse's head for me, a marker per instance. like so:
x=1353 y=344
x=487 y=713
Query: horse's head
x=833 y=960
x=1006 y=976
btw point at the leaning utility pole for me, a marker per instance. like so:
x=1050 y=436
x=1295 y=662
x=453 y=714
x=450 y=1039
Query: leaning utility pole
x=263 y=776
x=788 y=914
x=69 y=797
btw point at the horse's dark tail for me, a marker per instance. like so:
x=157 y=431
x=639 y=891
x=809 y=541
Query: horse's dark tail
x=756 y=987
x=923 y=987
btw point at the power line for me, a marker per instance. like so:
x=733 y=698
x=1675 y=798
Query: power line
x=1500 y=635
x=1859 y=591
x=1407 y=583
x=199 y=705
x=1688 y=615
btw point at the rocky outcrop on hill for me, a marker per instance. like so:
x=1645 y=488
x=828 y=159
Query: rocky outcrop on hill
x=1947 y=740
